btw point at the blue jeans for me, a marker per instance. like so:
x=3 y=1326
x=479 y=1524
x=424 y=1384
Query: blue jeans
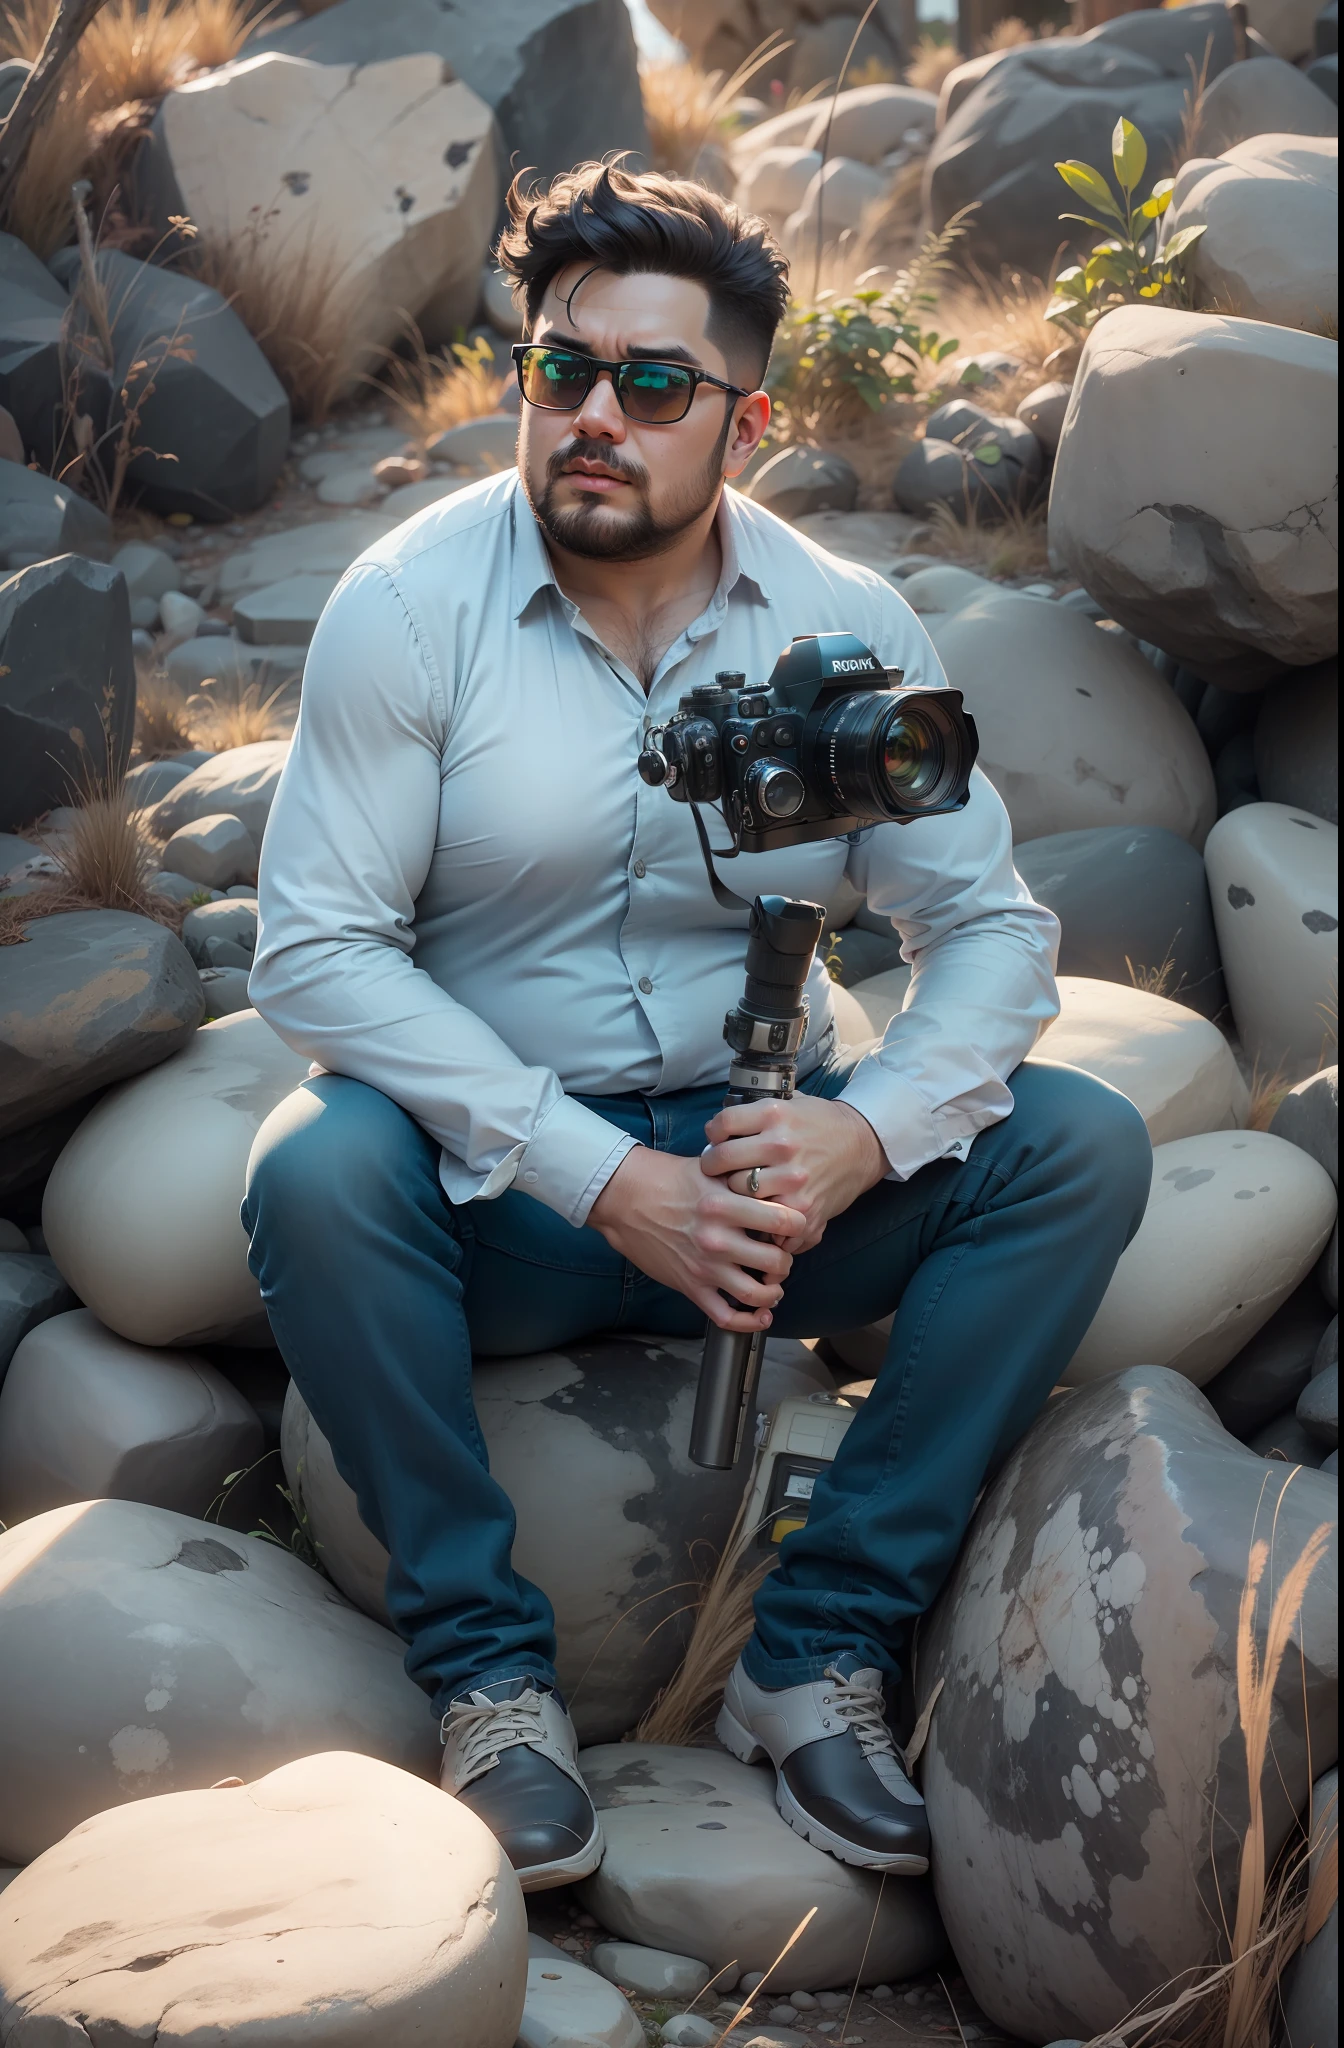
x=379 y=1290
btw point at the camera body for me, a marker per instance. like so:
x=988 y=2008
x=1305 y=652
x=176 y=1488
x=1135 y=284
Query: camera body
x=830 y=743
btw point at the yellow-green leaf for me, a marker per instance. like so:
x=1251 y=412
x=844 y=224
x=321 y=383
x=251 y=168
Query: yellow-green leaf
x=1071 y=283
x=1149 y=291
x=1089 y=185
x=1129 y=153
x=1159 y=199
x=1182 y=240
x=989 y=455
x=1061 y=310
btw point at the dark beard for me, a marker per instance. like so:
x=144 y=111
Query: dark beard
x=636 y=535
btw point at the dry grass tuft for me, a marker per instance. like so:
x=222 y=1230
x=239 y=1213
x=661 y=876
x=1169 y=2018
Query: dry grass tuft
x=41 y=212
x=1267 y=1092
x=105 y=861
x=294 y=302
x=1008 y=34
x=684 y=1710
x=141 y=49
x=1157 y=981
x=932 y=62
x=1018 y=545
x=235 y=716
x=161 y=719
x=432 y=393
x=687 y=109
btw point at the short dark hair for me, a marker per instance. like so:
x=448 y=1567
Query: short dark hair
x=610 y=218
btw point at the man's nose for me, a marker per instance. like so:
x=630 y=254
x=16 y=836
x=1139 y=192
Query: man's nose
x=600 y=417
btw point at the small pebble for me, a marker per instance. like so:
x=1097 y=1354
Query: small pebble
x=881 y=1991
x=832 y=2000
x=749 y=1980
x=803 y=2000
x=827 y=2026
x=783 y=2013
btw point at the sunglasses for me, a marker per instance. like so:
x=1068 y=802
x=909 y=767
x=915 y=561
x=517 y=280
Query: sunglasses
x=656 y=394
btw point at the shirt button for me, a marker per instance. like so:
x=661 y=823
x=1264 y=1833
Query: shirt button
x=640 y=870
x=645 y=985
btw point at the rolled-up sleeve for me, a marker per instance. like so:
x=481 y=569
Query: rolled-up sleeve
x=983 y=956
x=347 y=850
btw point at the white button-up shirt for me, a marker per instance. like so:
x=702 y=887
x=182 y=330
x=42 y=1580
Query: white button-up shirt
x=470 y=901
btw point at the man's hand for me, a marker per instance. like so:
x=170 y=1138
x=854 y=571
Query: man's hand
x=815 y=1155
x=688 y=1230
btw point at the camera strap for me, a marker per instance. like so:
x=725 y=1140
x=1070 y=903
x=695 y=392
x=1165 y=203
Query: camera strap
x=726 y=898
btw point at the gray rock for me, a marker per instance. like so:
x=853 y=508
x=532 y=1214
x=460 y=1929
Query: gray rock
x=143 y=1652
x=969 y=427
x=242 y=781
x=1151 y=513
x=583 y=1417
x=799 y=480
x=1325 y=31
x=1327 y=1273
x=1285 y=1440
x=1051 y=100
x=67 y=682
x=86 y=1416
x=1311 y=1995
x=31 y=1291
x=283 y=613
x=689 y=2030
x=178 y=889
x=567 y=2003
x=90 y=997
x=560 y=75
x=225 y=991
x=486 y=444
x=1129 y=897
x=12 y=74
x=150 y=780
x=1043 y=411
x=325 y=549
x=212 y=851
x=1297 y=741
x=1331 y=1465
x=1268 y=97
x=938 y=473
x=1086 y=1737
x=27 y=1156
x=1324 y=75
x=1269 y=1373
x=216 y=409
x=182 y=616
x=1234 y=774
x=650 y=1972
x=149 y=572
x=1327 y=1351
x=1274 y=886
x=1308 y=1116
x=1318 y=1407
x=219 y=658
x=698 y=1856
x=32 y=386
x=355 y=485
x=1224 y=715
x=221 y=934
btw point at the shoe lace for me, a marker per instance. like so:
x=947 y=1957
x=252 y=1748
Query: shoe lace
x=862 y=1708
x=482 y=1728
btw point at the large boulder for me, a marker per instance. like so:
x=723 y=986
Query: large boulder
x=1268 y=1374
x=239 y=783
x=1174 y=1065
x=395 y=200
x=1296 y=744
x=1133 y=907
x=212 y=420
x=1076 y=728
x=86 y=1416
x=1086 y=1773
x=393 y=1911
x=1287 y=27
x=1235 y=1220
x=145 y=1652
x=33 y=381
x=1268 y=97
x=1274 y=880
x=799 y=480
x=700 y=1861
x=31 y=1290
x=1311 y=2001
x=566 y=2001
x=40 y=518
x=606 y=1423
x=1269 y=208
x=141 y=1210
x=1056 y=99
x=27 y=1156
x=89 y=997
x=1309 y=1116
x=559 y=75
x=67 y=683
x=1218 y=543
x=721 y=34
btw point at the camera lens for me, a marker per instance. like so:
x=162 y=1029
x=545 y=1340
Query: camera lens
x=774 y=789
x=885 y=754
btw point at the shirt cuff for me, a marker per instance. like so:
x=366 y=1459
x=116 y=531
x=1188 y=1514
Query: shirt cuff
x=569 y=1159
x=910 y=1133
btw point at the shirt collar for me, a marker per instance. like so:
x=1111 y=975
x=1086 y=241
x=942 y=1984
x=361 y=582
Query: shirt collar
x=739 y=544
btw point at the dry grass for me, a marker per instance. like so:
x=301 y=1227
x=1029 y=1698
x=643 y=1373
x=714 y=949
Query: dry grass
x=294 y=302
x=684 y=1710
x=105 y=862
x=220 y=716
x=1015 y=545
x=141 y=49
x=1235 y=2004
x=686 y=109
x=1267 y=1092
x=1157 y=981
x=931 y=62
x=161 y=719
x=432 y=393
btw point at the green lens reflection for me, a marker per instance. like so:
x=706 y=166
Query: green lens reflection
x=912 y=754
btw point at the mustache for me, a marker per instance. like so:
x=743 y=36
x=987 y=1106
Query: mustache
x=609 y=459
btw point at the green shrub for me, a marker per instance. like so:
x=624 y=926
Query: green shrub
x=1128 y=265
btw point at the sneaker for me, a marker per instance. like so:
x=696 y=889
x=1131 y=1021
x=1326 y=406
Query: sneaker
x=510 y=1753
x=840 y=1781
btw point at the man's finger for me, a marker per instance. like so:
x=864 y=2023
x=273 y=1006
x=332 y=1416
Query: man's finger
x=740 y=1120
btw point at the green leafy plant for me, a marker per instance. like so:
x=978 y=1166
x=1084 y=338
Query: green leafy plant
x=1128 y=265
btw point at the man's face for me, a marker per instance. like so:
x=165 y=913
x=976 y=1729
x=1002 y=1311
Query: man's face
x=613 y=488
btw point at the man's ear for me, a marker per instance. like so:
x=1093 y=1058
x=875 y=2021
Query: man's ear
x=745 y=438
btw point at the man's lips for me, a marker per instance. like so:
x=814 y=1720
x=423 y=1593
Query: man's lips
x=598 y=481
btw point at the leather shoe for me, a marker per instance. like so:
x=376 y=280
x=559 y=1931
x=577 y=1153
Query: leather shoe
x=510 y=1754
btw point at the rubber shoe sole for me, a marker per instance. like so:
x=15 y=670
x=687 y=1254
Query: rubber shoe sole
x=544 y=1877
x=741 y=1743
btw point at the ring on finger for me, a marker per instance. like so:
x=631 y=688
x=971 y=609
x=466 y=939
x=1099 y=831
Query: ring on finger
x=754 y=1181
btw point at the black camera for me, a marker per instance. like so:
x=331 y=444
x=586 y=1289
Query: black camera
x=832 y=742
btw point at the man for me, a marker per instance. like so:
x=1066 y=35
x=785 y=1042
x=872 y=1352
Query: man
x=501 y=949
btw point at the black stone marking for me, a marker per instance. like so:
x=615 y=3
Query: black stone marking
x=297 y=181
x=457 y=154
x=1239 y=897
x=1319 y=921
x=712 y=1827
x=1187 y=1177
x=405 y=199
x=1305 y=823
x=204 y=1554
